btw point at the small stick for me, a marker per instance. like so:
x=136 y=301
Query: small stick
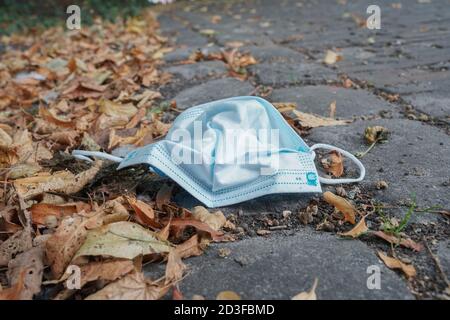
x=278 y=227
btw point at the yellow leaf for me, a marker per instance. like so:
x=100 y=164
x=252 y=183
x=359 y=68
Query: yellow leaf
x=215 y=220
x=393 y=263
x=347 y=209
x=310 y=295
x=331 y=57
x=358 y=230
x=228 y=295
x=123 y=239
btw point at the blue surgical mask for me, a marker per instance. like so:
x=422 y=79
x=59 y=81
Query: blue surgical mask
x=232 y=150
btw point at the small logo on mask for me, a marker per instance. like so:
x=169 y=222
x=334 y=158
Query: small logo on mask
x=311 y=179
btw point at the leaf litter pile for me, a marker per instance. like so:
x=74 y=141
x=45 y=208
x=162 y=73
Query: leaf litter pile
x=94 y=90
x=98 y=90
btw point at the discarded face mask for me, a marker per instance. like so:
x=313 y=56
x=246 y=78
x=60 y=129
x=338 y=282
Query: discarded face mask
x=232 y=150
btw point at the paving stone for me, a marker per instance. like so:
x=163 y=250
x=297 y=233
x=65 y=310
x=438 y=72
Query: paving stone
x=212 y=90
x=317 y=99
x=274 y=53
x=436 y=104
x=443 y=253
x=277 y=74
x=412 y=161
x=281 y=266
x=185 y=52
x=198 y=70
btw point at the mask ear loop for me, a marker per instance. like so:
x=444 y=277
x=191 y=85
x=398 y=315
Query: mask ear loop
x=362 y=170
x=84 y=155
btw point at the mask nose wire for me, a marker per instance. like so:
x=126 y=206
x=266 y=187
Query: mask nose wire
x=358 y=163
x=84 y=155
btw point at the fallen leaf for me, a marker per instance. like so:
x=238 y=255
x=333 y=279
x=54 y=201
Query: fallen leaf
x=14 y=292
x=131 y=287
x=393 y=263
x=375 y=133
x=307 y=119
x=18 y=242
x=123 y=239
x=200 y=226
x=109 y=270
x=310 y=295
x=407 y=243
x=334 y=163
x=64 y=243
x=358 y=230
x=189 y=248
x=41 y=211
x=62 y=181
x=215 y=220
x=144 y=212
x=228 y=295
x=28 y=268
x=342 y=205
x=331 y=57
x=174 y=268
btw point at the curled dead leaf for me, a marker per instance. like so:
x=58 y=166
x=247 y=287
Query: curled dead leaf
x=393 y=263
x=215 y=220
x=334 y=163
x=359 y=229
x=342 y=205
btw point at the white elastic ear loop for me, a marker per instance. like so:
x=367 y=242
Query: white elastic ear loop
x=84 y=155
x=348 y=155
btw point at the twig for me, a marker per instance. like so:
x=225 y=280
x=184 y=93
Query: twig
x=362 y=154
x=282 y=227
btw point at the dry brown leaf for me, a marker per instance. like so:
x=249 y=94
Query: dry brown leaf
x=41 y=211
x=334 y=163
x=190 y=248
x=358 y=230
x=375 y=133
x=200 y=226
x=18 y=242
x=109 y=270
x=144 y=212
x=174 y=268
x=61 y=181
x=313 y=121
x=64 y=243
x=407 y=243
x=48 y=116
x=331 y=57
x=30 y=263
x=215 y=220
x=310 y=295
x=124 y=240
x=131 y=287
x=342 y=205
x=228 y=295
x=393 y=263
x=14 y=292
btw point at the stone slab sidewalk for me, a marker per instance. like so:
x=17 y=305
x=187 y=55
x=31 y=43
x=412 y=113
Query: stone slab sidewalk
x=409 y=56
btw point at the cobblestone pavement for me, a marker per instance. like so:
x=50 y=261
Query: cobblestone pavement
x=408 y=57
